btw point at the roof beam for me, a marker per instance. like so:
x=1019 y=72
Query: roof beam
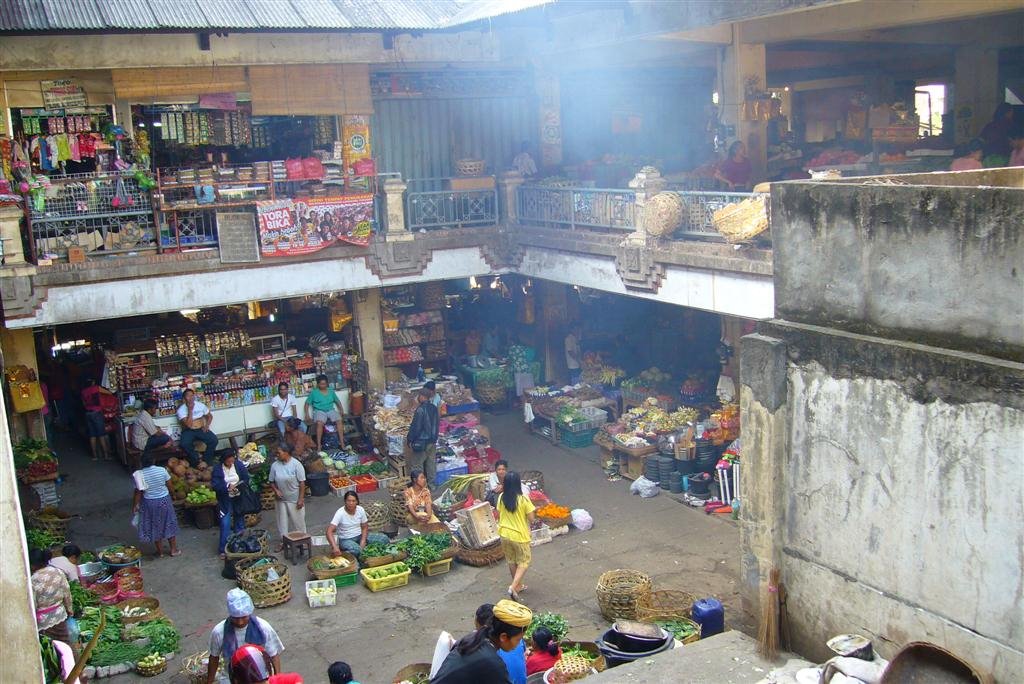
x=992 y=31
x=867 y=15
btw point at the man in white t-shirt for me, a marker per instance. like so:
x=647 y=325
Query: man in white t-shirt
x=572 y=353
x=350 y=528
x=284 y=406
x=195 y=419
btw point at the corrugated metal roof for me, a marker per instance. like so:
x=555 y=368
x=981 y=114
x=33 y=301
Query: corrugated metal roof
x=47 y=16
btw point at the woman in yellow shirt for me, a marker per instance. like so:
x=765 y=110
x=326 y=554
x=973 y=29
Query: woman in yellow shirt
x=515 y=515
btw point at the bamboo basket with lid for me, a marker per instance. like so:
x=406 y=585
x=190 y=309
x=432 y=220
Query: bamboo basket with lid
x=619 y=592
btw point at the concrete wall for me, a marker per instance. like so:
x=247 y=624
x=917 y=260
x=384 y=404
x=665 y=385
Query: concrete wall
x=938 y=265
x=893 y=507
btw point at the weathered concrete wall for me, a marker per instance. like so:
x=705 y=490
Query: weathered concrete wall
x=937 y=265
x=887 y=481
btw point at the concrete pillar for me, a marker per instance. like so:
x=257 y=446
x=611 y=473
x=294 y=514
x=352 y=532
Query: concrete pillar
x=17 y=619
x=647 y=183
x=744 y=70
x=10 y=236
x=554 y=307
x=394 y=206
x=764 y=418
x=976 y=90
x=508 y=184
x=19 y=350
x=549 y=106
x=366 y=314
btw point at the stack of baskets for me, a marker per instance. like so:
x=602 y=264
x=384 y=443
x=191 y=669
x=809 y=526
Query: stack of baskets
x=619 y=592
x=396 y=489
x=667 y=604
x=378 y=515
x=491 y=393
x=263 y=591
x=488 y=555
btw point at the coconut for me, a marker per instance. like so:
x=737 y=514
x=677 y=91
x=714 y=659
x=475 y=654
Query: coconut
x=206 y=476
x=202 y=466
x=172 y=462
x=179 y=469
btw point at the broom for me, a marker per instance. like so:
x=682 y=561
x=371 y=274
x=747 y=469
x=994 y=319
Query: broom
x=768 y=632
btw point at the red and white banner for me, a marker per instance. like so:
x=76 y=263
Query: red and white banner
x=300 y=226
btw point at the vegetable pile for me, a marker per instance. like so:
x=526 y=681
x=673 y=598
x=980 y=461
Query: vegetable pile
x=424 y=549
x=378 y=549
x=162 y=635
x=328 y=563
x=386 y=571
x=555 y=623
x=119 y=554
x=51 y=660
x=152 y=660
x=29 y=451
x=679 y=629
x=82 y=598
x=577 y=652
x=201 y=496
x=373 y=468
x=38 y=539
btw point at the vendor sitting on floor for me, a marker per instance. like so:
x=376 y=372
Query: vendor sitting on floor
x=418 y=502
x=297 y=442
x=350 y=528
x=496 y=483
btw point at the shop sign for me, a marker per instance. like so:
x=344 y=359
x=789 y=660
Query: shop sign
x=291 y=227
x=62 y=94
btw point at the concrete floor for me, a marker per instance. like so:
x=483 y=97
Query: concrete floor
x=378 y=634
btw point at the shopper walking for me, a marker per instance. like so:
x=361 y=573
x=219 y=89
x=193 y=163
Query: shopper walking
x=423 y=435
x=241 y=627
x=227 y=480
x=95 y=424
x=51 y=594
x=515 y=514
x=288 y=479
x=152 y=503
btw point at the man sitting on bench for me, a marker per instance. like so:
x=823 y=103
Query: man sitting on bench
x=195 y=419
x=147 y=435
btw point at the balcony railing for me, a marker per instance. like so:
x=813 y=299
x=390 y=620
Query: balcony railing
x=601 y=208
x=433 y=203
x=699 y=209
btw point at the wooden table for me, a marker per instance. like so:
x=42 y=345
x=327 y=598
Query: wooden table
x=631 y=461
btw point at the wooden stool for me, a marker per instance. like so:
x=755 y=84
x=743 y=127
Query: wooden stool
x=295 y=544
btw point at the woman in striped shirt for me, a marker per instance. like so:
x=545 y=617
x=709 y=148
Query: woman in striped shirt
x=157 y=520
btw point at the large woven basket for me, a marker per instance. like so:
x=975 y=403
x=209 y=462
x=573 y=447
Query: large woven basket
x=478 y=558
x=145 y=602
x=53 y=521
x=397 y=487
x=490 y=394
x=267 y=593
x=267 y=498
x=410 y=671
x=693 y=638
x=665 y=604
x=378 y=514
x=322 y=574
x=194 y=667
x=620 y=591
x=152 y=670
x=470 y=167
x=555 y=523
x=399 y=513
x=246 y=563
x=264 y=538
x=598 y=663
x=742 y=221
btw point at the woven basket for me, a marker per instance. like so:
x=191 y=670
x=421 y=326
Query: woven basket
x=665 y=604
x=181 y=513
x=555 y=523
x=263 y=593
x=378 y=514
x=377 y=561
x=246 y=563
x=194 y=667
x=264 y=538
x=397 y=487
x=153 y=670
x=252 y=519
x=478 y=558
x=620 y=591
x=58 y=526
x=534 y=479
x=490 y=394
x=598 y=663
x=695 y=637
x=398 y=513
x=410 y=671
x=267 y=498
x=147 y=602
x=322 y=574
x=742 y=221
x=470 y=167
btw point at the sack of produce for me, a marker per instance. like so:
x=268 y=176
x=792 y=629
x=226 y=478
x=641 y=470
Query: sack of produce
x=644 y=487
x=581 y=520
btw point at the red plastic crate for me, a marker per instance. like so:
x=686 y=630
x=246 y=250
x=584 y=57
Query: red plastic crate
x=478 y=465
x=365 y=483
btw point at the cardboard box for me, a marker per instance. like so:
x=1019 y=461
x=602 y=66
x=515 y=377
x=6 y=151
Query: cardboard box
x=472 y=183
x=76 y=255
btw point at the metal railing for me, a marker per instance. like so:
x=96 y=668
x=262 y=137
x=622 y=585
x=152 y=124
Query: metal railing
x=431 y=203
x=612 y=209
x=698 y=210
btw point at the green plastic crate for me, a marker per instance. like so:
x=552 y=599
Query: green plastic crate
x=576 y=440
x=346 y=580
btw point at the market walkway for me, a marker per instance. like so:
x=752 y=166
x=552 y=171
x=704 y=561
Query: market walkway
x=380 y=633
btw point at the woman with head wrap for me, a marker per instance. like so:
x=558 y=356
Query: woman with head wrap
x=252 y=665
x=475 y=658
x=241 y=627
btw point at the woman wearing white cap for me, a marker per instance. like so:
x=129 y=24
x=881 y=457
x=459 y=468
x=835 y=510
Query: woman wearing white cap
x=241 y=627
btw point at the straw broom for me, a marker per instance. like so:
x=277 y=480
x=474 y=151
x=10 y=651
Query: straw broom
x=768 y=632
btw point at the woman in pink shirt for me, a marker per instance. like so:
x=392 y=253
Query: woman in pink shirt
x=1017 y=146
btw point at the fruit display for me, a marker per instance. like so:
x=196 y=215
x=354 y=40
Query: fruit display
x=595 y=371
x=184 y=478
x=152 y=660
x=120 y=554
x=340 y=482
x=33 y=459
x=201 y=496
x=386 y=571
x=649 y=419
x=250 y=455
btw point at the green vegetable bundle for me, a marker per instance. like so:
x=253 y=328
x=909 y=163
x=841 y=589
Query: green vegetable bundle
x=201 y=496
x=424 y=549
x=555 y=623
x=82 y=598
x=28 y=451
x=163 y=636
x=378 y=549
x=51 y=661
x=679 y=629
x=39 y=539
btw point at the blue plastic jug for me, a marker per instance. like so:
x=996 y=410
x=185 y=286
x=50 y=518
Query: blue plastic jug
x=710 y=615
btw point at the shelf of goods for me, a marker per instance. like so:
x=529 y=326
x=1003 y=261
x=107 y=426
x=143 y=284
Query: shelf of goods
x=419 y=337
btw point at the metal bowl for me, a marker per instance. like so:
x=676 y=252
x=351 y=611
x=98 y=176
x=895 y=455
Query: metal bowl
x=90 y=571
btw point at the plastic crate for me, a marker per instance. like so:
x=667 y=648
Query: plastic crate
x=437 y=567
x=322 y=601
x=576 y=440
x=595 y=418
x=445 y=475
x=364 y=483
x=541 y=535
x=346 y=580
x=341 y=491
x=390 y=582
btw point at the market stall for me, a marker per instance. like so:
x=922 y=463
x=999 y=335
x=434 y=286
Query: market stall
x=570 y=415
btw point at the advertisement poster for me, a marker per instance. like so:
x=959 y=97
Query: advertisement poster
x=62 y=94
x=291 y=227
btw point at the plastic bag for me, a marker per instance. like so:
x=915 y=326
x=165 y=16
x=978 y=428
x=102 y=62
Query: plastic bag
x=581 y=520
x=312 y=168
x=293 y=167
x=528 y=412
x=442 y=648
x=644 y=487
